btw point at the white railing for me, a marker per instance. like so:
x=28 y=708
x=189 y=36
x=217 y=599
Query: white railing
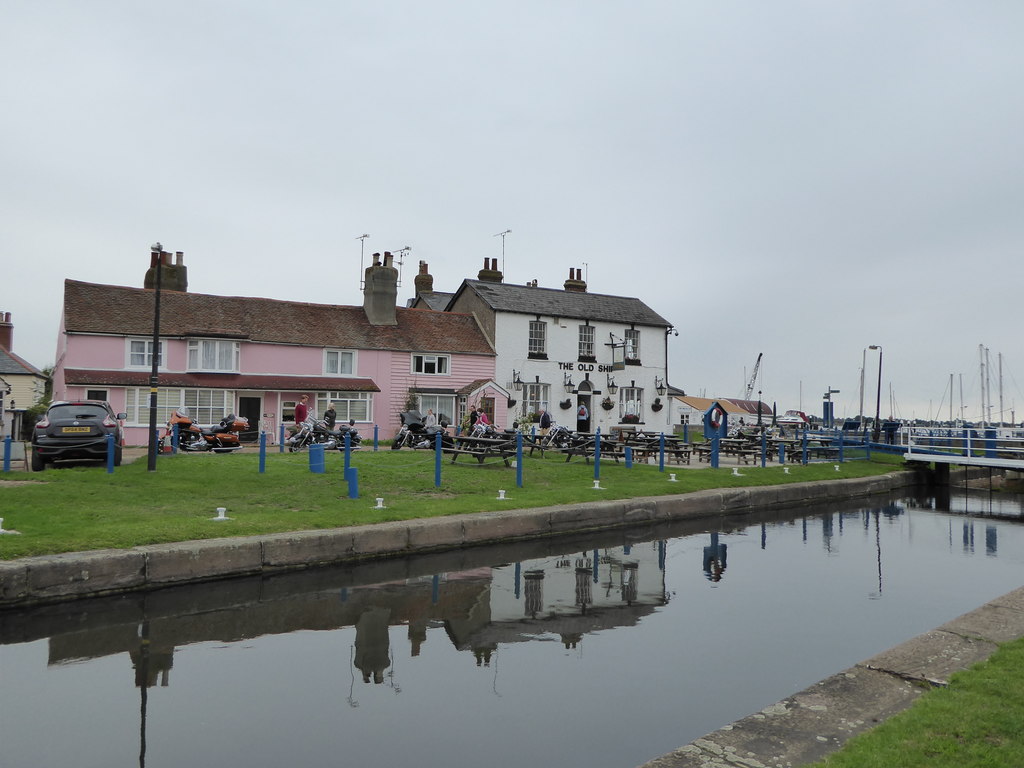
x=985 y=447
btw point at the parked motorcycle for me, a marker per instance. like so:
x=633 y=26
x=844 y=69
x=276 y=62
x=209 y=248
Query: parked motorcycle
x=218 y=438
x=314 y=431
x=558 y=436
x=412 y=433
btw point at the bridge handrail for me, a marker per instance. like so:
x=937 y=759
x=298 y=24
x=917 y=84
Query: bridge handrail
x=986 y=442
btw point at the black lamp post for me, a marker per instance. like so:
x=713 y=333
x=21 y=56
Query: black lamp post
x=876 y=430
x=157 y=250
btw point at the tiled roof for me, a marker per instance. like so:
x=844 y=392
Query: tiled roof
x=553 y=302
x=222 y=381
x=112 y=309
x=11 y=364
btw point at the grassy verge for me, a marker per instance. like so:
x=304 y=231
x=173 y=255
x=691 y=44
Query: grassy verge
x=82 y=508
x=974 y=723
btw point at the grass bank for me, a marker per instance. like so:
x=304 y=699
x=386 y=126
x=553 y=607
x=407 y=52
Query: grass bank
x=973 y=723
x=74 y=509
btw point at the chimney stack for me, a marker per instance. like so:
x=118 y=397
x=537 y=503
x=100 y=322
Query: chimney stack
x=173 y=277
x=575 y=282
x=490 y=273
x=380 y=291
x=6 y=332
x=424 y=281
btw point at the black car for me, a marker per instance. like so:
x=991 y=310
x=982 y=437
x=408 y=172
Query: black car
x=76 y=430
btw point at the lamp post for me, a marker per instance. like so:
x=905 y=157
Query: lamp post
x=157 y=250
x=876 y=430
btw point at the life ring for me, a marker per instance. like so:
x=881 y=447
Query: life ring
x=715 y=419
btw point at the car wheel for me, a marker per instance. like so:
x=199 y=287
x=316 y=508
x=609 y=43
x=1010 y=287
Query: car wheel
x=38 y=463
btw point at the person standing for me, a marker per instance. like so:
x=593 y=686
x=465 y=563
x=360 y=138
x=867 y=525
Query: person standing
x=330 y=416
x=301 y=409
x=545 y=421
x=583 y=419
x=430 y=420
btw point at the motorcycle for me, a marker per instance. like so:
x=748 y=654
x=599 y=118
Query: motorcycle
x=316 y=431
x=412 y=433
x=218 y=438
x=557 y=437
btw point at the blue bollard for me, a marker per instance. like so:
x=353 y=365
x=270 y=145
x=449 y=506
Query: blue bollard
x=352 y=478
x=782 y=453
x=629 y=459
x=519 y=460
x=376 y=434
x=263 y=452
x=764 y=450
x=597 y=454
x=661 y=453
x=110 y=454
x=348 y=451
x=437 y=460
x=7 y=453
x=317 y=463
x=714 y=451
x=280 y=439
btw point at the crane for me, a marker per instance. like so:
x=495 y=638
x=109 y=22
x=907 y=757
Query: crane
x=753 y=378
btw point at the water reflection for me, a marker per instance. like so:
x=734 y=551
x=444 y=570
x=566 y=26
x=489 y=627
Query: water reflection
x=795 y=589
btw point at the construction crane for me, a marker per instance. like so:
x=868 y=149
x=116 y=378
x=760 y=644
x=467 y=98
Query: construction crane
x=753 y=378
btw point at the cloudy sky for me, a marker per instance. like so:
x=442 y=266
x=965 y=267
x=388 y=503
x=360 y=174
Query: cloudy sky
x=798 y=179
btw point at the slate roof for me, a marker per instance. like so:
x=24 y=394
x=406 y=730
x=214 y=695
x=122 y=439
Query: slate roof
x=11 y=364
x=436 y=300
x=123 y=311
x=555 y=302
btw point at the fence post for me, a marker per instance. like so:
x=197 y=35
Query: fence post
x=348 y=450
x=7 y=453
x=280 y=439
x=437 y=460
x=317 y=464
x=714 y=450
x=597 y=454
x=629 y=457
x=661 y=453
x=764 y=449
x=263 y=452
x=376 y=434
x=110 y=454
x=352 y=478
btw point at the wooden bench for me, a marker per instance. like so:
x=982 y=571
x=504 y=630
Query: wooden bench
x=483 y=448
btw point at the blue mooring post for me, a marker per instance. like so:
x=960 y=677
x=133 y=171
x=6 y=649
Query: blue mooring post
x=280 y=439
x=174 y=439
x=519 y=459
x=7 y=453
x=803 y=449
x=376 y=434
x=629 y=459
x=352 y=478
x=437 y=460
x=317 y=464
x=715 y=445
x=348 y=451
x=110 y=454
x=782 y=453
x=764 y=450
x=661 y=453
x=597 y=454
x=263 y=452
x=686 y=433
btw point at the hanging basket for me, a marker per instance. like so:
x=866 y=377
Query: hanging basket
x=565 y=405
x=607 y=404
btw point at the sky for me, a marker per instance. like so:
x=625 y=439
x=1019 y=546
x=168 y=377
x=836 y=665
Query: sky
x=794 y=179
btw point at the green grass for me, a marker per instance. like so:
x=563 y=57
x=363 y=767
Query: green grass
x=974 y=723
x=84 y=508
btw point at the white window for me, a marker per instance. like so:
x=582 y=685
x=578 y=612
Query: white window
x=206 y=406
x=140 y=353
x=339 y=362
x=443 y=406
x=631 y=402
x=430 y=365
x=350 y=406
x=587 y=342
x=213 y=355
x=538 y=341
x=632 y=345
x=535 y=397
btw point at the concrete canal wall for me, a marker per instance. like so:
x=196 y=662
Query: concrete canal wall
x=56 y=578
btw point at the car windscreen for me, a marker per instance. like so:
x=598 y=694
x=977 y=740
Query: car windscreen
x=72 y=411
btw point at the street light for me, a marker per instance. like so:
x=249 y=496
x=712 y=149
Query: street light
x=876 y=430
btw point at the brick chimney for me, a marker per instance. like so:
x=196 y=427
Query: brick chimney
x=380 y=291
x=6 y=332
x=575 y=282
x=173 y=277
x=424 y=281
x=490 y=273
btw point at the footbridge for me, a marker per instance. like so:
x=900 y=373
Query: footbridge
x=991 y=447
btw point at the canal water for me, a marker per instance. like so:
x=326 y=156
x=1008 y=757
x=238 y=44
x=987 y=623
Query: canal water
x=601 y=651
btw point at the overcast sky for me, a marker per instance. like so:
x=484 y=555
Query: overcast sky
x=798 y=179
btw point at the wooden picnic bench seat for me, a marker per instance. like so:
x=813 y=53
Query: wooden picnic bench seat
x=482 y=448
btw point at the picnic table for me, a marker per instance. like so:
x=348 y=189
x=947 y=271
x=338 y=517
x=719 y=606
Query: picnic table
x=585 y=445
x=483 y=448
x=646 y=447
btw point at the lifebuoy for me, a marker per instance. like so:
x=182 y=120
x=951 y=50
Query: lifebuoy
x=715 y=420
